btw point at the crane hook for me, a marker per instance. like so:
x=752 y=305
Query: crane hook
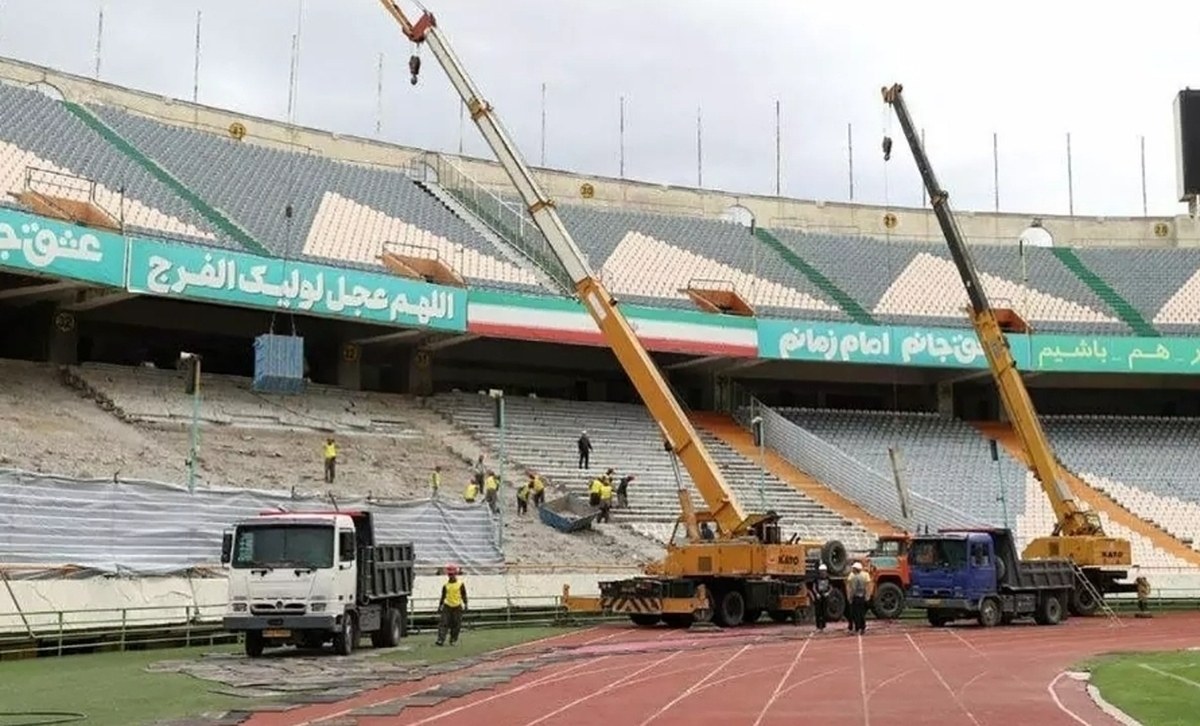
x=414 y=67
x=887 y=148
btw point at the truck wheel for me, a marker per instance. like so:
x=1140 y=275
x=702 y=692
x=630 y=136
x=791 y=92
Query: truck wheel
x=835 y=606
x=390 y=630
x=1083 y=603
x=254 y=643
x=1049 y=611
x=888 y=603
x=731 y=609
x=347 y=638
x=752 y=615
x=833 y=554
x=989 y=613
x=644 y=620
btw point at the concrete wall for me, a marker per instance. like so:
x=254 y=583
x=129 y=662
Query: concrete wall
x=812 y=215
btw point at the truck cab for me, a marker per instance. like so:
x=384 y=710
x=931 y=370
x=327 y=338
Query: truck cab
x=975 y=574
x=887 y=564
x=306 y=578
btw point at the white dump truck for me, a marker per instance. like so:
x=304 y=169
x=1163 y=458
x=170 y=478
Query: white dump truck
x=309 y=578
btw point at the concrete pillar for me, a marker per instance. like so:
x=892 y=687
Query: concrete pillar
x=349 y=367
x=945 y=399
x=420 y=373
x=63 y=348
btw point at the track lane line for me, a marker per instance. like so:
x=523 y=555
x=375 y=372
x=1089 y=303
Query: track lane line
x=779 y=686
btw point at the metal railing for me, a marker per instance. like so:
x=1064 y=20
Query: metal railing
x=507 y=220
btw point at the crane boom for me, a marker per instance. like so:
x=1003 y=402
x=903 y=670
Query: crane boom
x=678 y=432
x=1072 y=520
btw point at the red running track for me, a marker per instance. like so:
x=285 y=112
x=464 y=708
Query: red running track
x=907 y=675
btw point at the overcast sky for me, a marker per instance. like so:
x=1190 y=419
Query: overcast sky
x=1029 y=71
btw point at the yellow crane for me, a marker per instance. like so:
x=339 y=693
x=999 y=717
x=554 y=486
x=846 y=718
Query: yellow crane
x=1078 y=532
x=746 y=569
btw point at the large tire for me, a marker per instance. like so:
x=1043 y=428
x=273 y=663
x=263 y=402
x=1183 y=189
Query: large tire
x=644 y=620
x=390 y=630
x=990 y=613
x=731 y=609
x=254 y=643
x=888 y=603
x=835 y=557
x=1083 y=603
x=835 y=606
x=1049 y=611
x=346 y=639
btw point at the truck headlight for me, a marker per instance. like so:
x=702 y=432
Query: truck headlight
x=317 y=607
x=238 y=607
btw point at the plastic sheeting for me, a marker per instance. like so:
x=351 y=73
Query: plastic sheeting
x=150 y=528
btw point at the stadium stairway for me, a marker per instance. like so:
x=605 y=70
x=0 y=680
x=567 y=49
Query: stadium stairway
x=724 y=428
x=1122 y=307
x=1006 y=437
x=856 y=312
x=210 y=213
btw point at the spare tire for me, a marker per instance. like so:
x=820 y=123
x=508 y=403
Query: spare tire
x=835 y=557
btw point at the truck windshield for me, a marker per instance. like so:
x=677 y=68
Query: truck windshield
x=886 y=548
x=951 y=553
x=280 y=545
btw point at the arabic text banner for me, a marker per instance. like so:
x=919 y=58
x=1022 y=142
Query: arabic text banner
x=236 y=278
x=900 y=346
x=1080 y=354
x=58 y=249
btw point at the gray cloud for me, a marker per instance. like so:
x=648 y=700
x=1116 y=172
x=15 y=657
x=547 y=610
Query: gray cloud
x=1108 y=79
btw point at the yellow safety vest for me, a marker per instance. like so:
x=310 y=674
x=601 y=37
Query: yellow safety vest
x=330 y=451
x=595 y=487
x=605 y=492
x=470 y=492
x=491 y=484
x=538 y=484
x=435 y=481
x=523 y=492
x=453 y=597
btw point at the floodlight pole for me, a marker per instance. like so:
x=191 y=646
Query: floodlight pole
x=498 y=396
x=194 y=449
x=756 y=425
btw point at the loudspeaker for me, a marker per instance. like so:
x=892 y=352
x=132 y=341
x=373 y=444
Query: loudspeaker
x=1187 y=144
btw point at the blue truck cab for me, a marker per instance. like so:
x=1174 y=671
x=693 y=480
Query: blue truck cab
x=976 y=574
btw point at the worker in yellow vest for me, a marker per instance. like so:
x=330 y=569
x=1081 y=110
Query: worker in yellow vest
x=471 y=492
x=491 y=491
x=523 y=495
x=606 y=495
x=435 y=481
x=594 y=492
x=538 y=487
x=330 y=460
x=451 y=606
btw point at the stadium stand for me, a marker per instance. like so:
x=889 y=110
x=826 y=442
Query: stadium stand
x=47 y=149
x=1161 y=284
x=651 y=257
x=945 y=459
x=541 y=433
x=340 y=212
x=905 y=283
x=139 y=430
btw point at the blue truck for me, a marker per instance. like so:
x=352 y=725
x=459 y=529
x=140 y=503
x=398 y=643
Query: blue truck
x=975 y=574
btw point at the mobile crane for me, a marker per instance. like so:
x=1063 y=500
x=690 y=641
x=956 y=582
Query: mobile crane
x=746 y=569
x=1078 y=533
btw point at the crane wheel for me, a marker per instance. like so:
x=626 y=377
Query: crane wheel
x=835 y=557
x=835 y=606
x=731 y=609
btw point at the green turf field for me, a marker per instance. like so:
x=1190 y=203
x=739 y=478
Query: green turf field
x=1157 y=689
x=113 y=689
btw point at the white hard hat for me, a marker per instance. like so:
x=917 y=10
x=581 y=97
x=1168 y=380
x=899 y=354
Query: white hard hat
x=856 y=566
x=821 y=567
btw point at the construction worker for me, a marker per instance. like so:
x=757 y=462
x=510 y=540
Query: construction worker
x=606 y=494
x=471 y=492
x=451 y=606
x=478 y=470
x=523 y=495
x=435 y=481
x=585 y=449
x=330 y=460
x=821 y=588
x=706 y=532
x=538 y=487
x=623 y=491
x=594 y=492
x=491 y=491
x=858 y=591
x=1143 y=594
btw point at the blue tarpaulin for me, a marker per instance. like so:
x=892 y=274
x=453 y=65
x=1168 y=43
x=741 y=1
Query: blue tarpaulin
x=279 y=363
